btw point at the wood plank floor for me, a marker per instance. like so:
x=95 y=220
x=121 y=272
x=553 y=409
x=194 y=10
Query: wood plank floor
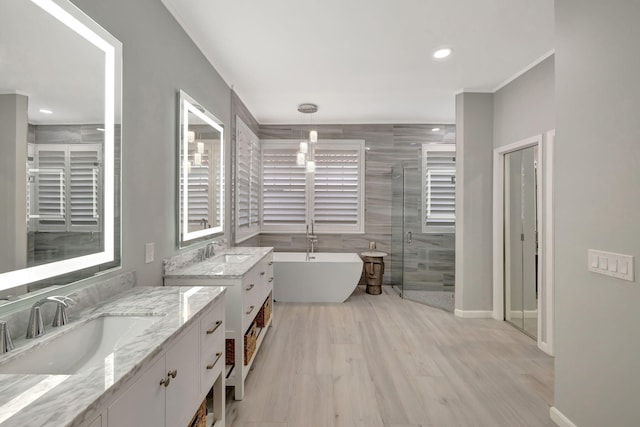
x=383 y=361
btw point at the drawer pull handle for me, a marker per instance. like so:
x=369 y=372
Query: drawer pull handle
x=211 y=365
x=270 y=262
x=271 y=280
x=212 y=330
x=250 y=309
x=165 y=382
x=262 y=273
x=250 y=287
x=173 y=373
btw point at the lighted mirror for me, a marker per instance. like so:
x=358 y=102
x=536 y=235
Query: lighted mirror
x=59 y=146
x=201 y=171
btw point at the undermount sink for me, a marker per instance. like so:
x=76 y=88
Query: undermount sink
x=84 y=346
x=234 y=258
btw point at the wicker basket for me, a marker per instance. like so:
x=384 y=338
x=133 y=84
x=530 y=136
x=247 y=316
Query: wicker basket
x=250 y=339
x=200 y=418
x=264 y=314
x=230 y=351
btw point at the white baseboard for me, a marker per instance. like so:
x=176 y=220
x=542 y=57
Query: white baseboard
x=546 y=347
x=474 y=314
x=528 y=314
x=559 y=418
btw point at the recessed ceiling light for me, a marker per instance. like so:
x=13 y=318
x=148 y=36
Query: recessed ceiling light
x=442 y=53
x=100 y=129
x=435 y=129
x=45 y=111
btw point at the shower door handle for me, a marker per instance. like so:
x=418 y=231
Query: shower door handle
x=409 y=237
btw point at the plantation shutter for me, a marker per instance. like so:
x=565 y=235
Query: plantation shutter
x=439 y=188
x=247 y=181
x=84 y=187
x=254 y=193
x=50 y=179
x=283 y=188
x=216 y=203
x=198 y=188
x=67 y=187
x=336 y=188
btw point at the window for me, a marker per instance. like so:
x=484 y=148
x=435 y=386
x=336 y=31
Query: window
x=439 y=188
x=247 y=182
x=333 y=196
x=67 y=181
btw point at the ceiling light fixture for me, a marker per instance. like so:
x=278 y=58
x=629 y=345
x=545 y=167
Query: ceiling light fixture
x=45 y=111
x=435 y=129
x=307 y=153
x=442 y=53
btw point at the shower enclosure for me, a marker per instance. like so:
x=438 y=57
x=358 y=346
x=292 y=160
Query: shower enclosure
x=422 y=264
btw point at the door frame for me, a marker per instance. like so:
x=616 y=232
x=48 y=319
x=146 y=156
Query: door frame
x=545 y=143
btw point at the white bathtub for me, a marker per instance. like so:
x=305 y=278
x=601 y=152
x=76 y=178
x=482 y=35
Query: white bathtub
x=329 y=277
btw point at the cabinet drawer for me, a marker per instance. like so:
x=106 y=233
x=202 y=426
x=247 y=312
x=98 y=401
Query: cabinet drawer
x=212 y=361
x=249 y=311
x=212 y=330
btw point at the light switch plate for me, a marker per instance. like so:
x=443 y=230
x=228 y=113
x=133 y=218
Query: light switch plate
x=611 y=264
x=149 y=252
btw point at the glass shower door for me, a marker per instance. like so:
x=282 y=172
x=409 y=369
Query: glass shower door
x=397 y=228
x=414 y=272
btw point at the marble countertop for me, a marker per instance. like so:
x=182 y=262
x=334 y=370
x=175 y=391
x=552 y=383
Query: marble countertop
x=217 y=267
x=74 y=400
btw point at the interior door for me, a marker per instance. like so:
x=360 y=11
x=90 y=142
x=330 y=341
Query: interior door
x=520 y=240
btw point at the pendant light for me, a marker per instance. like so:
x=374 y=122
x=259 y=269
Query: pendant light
x=306 y=153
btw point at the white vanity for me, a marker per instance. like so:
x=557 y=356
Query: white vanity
x=157 y=374
x=247 y=274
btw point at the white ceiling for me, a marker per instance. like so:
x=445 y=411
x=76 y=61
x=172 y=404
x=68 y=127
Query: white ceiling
x=365 y=61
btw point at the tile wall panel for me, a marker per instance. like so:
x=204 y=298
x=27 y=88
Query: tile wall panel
x=433 y=264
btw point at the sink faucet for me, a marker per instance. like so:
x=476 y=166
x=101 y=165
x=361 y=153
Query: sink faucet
x=35 y=328
x=6 y=344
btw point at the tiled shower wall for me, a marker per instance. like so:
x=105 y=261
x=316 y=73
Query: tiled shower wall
x=388 y=145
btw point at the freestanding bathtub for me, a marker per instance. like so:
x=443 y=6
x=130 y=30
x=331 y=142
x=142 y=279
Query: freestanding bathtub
x=328 y=277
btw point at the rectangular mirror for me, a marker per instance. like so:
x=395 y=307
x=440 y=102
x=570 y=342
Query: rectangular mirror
x=201 y=172
x=60 y=114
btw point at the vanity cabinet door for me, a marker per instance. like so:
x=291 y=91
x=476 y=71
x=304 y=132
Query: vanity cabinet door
x=142 y=405
x=149 y=403
x=97 y=422
x=183 y=393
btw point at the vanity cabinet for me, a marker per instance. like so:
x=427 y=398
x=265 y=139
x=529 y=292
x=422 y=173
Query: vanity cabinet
x=247 y=291
x=97 y=422
x=159 y=399
x=170 y=391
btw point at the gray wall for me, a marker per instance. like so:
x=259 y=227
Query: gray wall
x=13 y=182
x=388 y=144
x=159 y=59
x=525 y=107
x=474 y=143
x=597 y=368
